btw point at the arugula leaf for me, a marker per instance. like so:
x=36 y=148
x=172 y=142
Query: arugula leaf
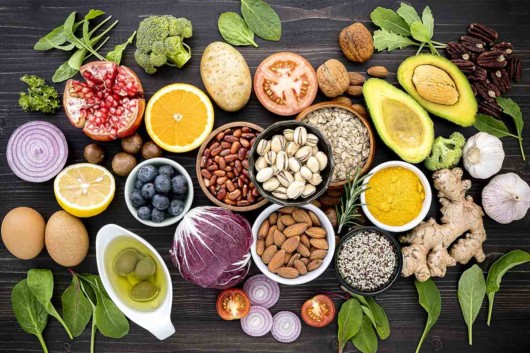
x=93 y=13
x=391 y=21
x=408 y=13
x=262 y=19
x=489 y=124
x=234 y=29
x=430 y=300
x=391 y=41
x=116 y=54
x=471 y=292
x=64 y=72
x=77 y=309
x=350 y=320
x=420 y=32
x=365 y=340
x=428 y=20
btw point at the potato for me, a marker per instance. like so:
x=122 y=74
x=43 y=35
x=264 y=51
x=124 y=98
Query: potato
x=226 y=76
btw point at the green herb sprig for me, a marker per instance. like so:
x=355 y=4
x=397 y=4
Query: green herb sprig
x=348 y=211
x=39 y=97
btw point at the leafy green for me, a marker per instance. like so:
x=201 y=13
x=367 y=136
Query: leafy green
x=376 y=314
x=428 y=20
x=408 y=13
x=389 y=20
x=511 y=108
x=498 y=269
x=431 y=301
x=77 y=309
x=39 y=97
x=262 y=19
x=365 y=340
x=234 y=29
x=30 y=313
x=116 y=54
x=350 y=320
x=471 y=292
x=391 y=41
x=420 y=32
x=489 y=124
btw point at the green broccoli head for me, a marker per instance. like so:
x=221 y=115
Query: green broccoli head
x=179 y=27
x=446 y=152
x=144 y=61
x=157 y=59
x=151 y=29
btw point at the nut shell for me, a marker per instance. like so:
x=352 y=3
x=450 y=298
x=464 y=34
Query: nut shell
x=356 y=42
x=333 y=78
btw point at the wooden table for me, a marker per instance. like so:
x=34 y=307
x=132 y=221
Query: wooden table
x=310 y=28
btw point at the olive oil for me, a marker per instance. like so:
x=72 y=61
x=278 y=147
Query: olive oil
x=124 y=282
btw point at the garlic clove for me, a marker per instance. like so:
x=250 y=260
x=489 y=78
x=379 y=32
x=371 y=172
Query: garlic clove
x=506 y=198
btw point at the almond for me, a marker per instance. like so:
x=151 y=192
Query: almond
x=287 y=272
x=291 y=244
x=303 y=250
x=313 y=265
x=300 y=266
x=377 y=71
x=269 y=239
x=280 y=225
x=319 y=243
x=316 y=203
x=356 y=78
x=301 y=216
x=304 y=239
x=279 y=238
x=263 y=229
x=288 y=220
x=316 y=232
x=260 y=247
x=268 y=254
x=277 y=261
x=318 y=254
x=295 y=230
x=287 y=210
x=293 y=258
x=360 y=109
x=288 y=257
x=305 y=260
x=314 y=218
x=273 y=217
x=355 y=91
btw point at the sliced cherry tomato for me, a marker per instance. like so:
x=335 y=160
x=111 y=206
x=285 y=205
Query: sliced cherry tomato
x=285 y=83
x=318 y=311
x=233 y=304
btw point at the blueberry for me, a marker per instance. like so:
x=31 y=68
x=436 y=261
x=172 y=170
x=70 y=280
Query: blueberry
x=160 y=201
x=162 y=183
x=138 y=184
x=144 y=213
x=136 y=198
x=148 y=191
x=181 y=197
x=147 y=173
x=179 y=185
x=157 y=216
x=176 y=207
x=166 y=170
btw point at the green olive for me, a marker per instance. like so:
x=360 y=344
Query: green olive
x=145 y=268
x=125 y=262
x=143 y=291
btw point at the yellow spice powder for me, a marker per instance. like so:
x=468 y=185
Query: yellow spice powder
x=395 y=196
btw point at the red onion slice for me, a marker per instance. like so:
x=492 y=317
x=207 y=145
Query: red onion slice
x=286 y=327
x=258 y=322
x=262 y=291
x=37 y=151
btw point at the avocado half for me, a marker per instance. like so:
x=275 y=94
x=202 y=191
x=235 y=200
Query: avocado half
x=401 y=122
x=454 y=102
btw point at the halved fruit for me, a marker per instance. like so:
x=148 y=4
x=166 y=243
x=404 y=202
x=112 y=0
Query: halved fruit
x=232 y=304
x=401 y=122
x=318 y=311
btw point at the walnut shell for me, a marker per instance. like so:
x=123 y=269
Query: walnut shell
x=356 y=42
x=333 y=78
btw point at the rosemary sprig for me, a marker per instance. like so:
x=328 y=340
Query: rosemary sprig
x=347 y=211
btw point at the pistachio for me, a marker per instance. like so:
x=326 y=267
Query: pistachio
x=264 y=146
x=312 y=140
x=316 y=179
x=278 y=143
x=300 y=135
x=294 y=164
x=306 y=173
x=285 y=178
x=312 y=164
x=264 y=174
x=282 y=161
x=260 y=164
x=303 y=154
x=271 y=184
x=295 y=189
x=270 y=157
x=298 y=177
x=280 y=193
x=314 y=150
x=275 y=170
x=291 y=148
x=289 y=135
x=309 y=190
x=322 y=160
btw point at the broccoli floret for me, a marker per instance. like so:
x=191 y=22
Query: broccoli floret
x=150 y=30
x=446 y=152
x=157 y=59
x=158 y=47
x=40 y=96
x=143 y=60
x=177 y=51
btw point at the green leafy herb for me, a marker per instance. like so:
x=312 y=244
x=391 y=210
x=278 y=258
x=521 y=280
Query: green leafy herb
x=31 y=315
x=391 y=41
x=471 y=292
x=365 y=340
x=262 y=19
x=428 y=20
x=489 y=124
x=348 y=210
x=376 y=314
x=40 y=97
x=116 y=54
x=431 y=301
x=77 y=309
x=350 y=320
x=511 y=108
x=498 y=269
x=235 y=30
x=389 y=20
x=408 y=13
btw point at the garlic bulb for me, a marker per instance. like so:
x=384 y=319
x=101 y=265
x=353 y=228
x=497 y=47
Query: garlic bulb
x=483 y=155
x=506 y=198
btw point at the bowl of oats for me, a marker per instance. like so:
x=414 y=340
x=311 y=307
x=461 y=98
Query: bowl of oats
x=349 y=134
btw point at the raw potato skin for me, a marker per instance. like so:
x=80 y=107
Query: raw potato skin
x=226 y=76
x=427 y=255
x=66 y=239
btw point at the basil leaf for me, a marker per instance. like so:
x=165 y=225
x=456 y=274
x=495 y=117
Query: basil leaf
x=428 y=20
x=495 y=127
x=234 y=29
x=350 y=320
x=512 y=109
x=77 y=309
x=390 y=41
x=365 y=340
x=389 y=20
x=498 y=269
x=431 y=301
x=64 y=72
x=408 y=13
x=262 y=19
x=420 y=32
x=471 y=292
x=116 y=54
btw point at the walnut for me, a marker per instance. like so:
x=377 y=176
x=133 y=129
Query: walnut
x=356 y=42
x=333 y=78
x=435 y=85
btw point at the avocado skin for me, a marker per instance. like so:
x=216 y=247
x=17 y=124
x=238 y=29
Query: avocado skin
x=464 y=111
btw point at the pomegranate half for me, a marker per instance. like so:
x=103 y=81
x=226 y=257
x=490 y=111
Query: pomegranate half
x=109 y=104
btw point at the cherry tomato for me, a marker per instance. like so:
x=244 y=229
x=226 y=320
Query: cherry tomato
x=232 y=304
x=318 y=311
x=285 y=83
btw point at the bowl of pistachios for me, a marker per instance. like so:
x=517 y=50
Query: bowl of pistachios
x=291 y=163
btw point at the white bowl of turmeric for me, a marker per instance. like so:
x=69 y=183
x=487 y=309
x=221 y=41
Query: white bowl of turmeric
x=397 y=196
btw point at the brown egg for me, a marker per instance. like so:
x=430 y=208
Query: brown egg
x=23 y=232
x=66 y=239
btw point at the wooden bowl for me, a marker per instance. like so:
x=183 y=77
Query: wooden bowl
x=340 y=184
x=207 y=192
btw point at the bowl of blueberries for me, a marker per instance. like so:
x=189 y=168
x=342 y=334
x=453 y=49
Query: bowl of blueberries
x=158 y=192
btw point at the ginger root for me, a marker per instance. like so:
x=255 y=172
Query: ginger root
x=428 y=254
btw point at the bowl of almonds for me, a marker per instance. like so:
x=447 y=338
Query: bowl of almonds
x=292 y=244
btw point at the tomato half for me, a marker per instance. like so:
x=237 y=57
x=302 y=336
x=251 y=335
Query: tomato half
x=318 y=311
x=285 y=83
x=232 y=304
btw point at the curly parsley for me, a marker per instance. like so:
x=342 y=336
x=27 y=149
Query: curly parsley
x=40 y=96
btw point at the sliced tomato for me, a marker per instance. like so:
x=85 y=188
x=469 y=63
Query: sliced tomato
x=285 y=83
x=318 y=311
x=233 y=304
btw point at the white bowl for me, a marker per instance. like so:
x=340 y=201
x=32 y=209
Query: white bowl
x=157 y=321
x=129 y=187
x=309 y=276
x=426 y=202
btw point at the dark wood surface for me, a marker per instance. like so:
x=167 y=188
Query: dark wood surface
x=310 y=28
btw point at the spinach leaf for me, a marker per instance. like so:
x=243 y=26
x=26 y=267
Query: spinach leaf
x=350 y=319
x=262 y=19
x=234 y=29
x=428 y=20
x=116 y=54
x=365 y=340
x=431 y=301
x=389 y=20
x=498 y=269
x=40 y=283
x=77 y=309
x=495 y=127
x=408 y=13
x=376 y=314
x=420 y=32
x=91 y=296
x=30 y=313
x=384 y=39
x=471 y=292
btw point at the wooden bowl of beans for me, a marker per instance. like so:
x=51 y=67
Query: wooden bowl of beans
x=223 y=169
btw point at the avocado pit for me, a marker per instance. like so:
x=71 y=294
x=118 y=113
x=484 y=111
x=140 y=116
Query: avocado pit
x=435 y=85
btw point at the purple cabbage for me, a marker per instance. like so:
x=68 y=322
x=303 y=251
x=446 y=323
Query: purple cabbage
x=211 y=247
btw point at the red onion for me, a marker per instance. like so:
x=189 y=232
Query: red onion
x=37 y=151
x=286 y=327
x=258 y=322
x=262 y=291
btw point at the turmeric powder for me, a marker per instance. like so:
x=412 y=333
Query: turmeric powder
x=395 y=196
